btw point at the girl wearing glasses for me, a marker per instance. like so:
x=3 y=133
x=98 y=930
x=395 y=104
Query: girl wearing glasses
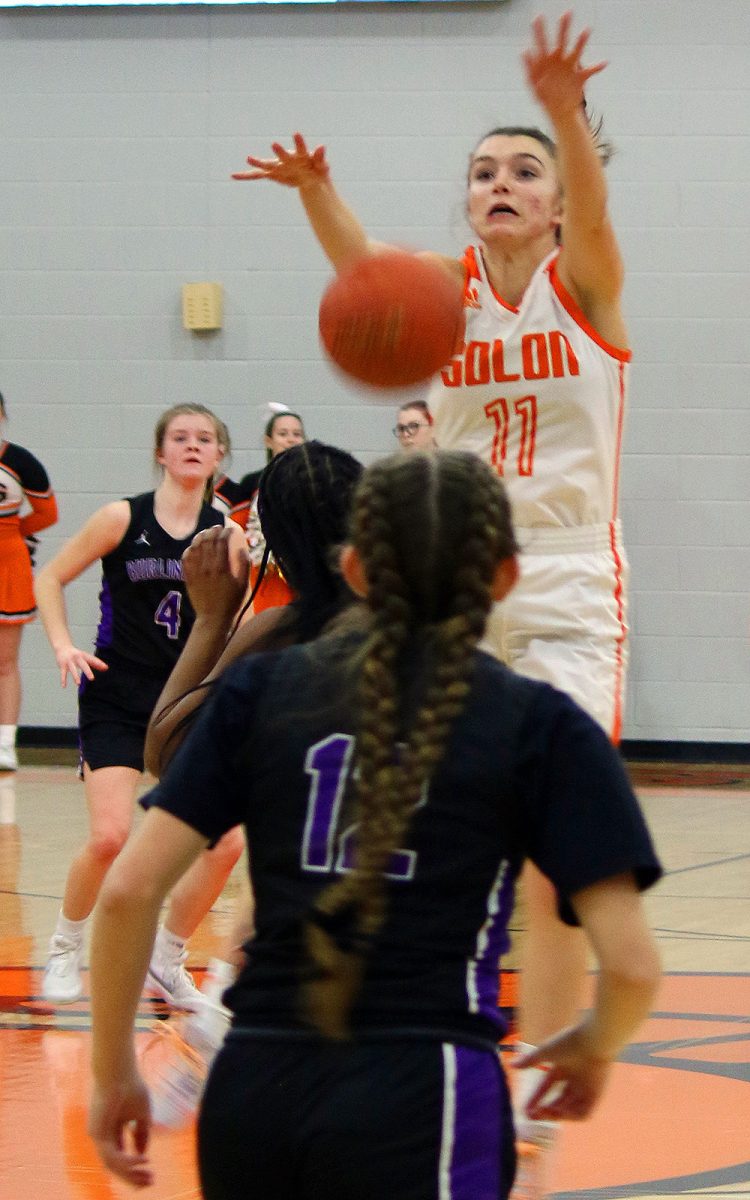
x=413 y=426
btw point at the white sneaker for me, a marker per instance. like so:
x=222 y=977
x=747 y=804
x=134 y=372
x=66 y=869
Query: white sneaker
x=62 y=982
x=535 y=1145
x=169 y=978
x=8 y=758
x=206 y=1028
x=176 y=1087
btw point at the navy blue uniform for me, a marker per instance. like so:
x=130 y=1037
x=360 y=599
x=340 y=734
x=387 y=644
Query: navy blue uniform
x=145 y=619
x=526 y=773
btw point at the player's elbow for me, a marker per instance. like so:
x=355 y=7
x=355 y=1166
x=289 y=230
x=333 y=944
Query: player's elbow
x=634 y=965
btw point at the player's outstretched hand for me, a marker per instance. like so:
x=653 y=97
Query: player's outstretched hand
x=75 y=662
x=297 y=168
x=574 y=1076
x=120 y=1126
x=554 y=71
x=216 y=575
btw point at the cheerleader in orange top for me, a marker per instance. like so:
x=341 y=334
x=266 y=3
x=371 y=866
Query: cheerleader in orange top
x=22 y=479
x=268 y=586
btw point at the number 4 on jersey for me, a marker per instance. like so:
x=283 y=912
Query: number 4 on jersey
x=168 y=613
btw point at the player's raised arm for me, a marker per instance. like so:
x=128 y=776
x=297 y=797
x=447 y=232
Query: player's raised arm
x=340 y=233
x=590 y=264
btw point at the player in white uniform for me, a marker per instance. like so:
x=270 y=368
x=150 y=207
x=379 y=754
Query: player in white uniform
x=538 y=391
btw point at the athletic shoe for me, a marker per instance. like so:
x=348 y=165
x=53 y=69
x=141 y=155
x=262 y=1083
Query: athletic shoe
x=169 y=978
x=8 y=758
x=176 y=1075
x=533 y=1159
x=206 y=1028
x=62 y=982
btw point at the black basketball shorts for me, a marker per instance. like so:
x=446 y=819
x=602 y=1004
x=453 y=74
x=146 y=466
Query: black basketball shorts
x=113 y=714
x=374 y=1120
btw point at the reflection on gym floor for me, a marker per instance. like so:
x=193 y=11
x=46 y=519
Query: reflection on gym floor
x=675 y=1119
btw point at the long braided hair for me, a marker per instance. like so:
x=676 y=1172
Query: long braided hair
x=430 y=530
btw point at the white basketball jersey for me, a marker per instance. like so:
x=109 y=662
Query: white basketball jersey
x=540 y=396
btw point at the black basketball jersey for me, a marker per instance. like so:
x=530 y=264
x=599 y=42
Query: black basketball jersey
x=145 y=614
x=526 y=773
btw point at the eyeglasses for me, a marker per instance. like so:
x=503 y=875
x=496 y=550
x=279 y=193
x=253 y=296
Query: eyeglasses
x=410 y=429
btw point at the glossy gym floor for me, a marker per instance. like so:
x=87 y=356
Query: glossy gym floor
x=675 y=1121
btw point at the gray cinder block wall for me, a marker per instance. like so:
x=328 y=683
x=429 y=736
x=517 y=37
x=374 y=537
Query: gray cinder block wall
x=118 y=132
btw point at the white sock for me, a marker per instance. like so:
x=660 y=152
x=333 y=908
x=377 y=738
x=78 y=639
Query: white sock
x=527 y=1080
x=168 y=943
x=8 y=736
x=68 y=928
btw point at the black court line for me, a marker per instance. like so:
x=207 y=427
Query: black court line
x=722 y=1177
x=718 y=862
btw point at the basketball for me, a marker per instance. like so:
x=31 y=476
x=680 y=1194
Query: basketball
x=392 y=320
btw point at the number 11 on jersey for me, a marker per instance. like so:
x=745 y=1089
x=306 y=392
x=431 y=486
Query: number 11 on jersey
x=526 y=410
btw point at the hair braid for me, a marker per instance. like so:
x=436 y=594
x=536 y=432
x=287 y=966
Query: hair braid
x=462 y=518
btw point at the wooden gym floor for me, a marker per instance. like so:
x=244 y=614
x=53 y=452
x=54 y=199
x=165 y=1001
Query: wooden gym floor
x=675 y=1121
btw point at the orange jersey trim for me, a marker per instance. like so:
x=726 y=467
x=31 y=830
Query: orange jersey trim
x=579 y=317
x=618 y=445
x=470 y=262
x=616 y=734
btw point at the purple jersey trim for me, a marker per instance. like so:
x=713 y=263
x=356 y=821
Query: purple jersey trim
x=104 y=632
x=472 y=1134
x=483 y=971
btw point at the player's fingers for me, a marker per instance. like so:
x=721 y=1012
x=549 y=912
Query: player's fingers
x=589 y=71
x=249 y=175
x=264 y=164
x=563 y=31
x=133 y=1168
x=282 y=154
x=579 y=45
x=141 y=1134
x=300 y=145
x=539 y=30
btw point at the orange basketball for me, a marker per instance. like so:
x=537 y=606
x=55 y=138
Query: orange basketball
x=392 y=320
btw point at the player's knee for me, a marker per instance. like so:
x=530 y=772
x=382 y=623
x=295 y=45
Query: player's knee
x=105 y=844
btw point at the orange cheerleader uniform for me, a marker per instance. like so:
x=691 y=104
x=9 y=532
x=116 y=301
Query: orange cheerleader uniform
x=23 y=479
x=274 y=591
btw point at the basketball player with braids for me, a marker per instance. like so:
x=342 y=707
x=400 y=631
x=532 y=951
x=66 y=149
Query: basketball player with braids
x=304 y=501
x=538 y=391
x=144 y=621
x=391 y=778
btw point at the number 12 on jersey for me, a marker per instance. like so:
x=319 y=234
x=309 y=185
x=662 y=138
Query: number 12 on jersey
x=525 y=410
x=323 y=849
